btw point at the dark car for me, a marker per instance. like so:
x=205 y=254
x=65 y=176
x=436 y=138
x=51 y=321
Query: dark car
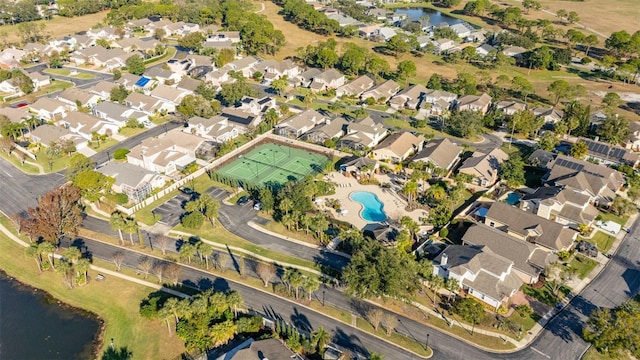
x=186 y=190
x=243 y=200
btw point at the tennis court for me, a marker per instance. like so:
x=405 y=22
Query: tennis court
x=273 y=163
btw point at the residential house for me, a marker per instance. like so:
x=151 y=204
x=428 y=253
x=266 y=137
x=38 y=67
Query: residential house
x=484 y=50
x=480 y=272
x=563 y=205
x=130 y=44
x=384 y=233
x=257 y=106
x=529 y=260
x=46 y=134
x=462 y=29
x=423 y=41
x=163 y=76
x=433 y=96
x=382 y=92
x=168 y=94
x=330 y=129
x=328 y=79
x=102 y=89
x=36 y=49
x=232 y=37
x=148 y=104
x=188 y=84
x=48 y=109
x=441 y=46
x=15 y=115
x=10 y=58
x=306 y=77
x=219 y=77
x=136 y=182
x=484 y=167
x=514 y=51
x=85 y=125
x=75 y=97
x=81 y=41
x=529 y=227
x=129 y=81
x=599 y=182
x=139 y=24
x=409 y=98
x=550 y=115
x=355 y=87
x=106 y=33
x=166 y=153
x=607 y=154
x=384 y=34
x=358 y=166
x=479 y=103
x=397 y=147
x=273 y=69
x=368 y=32
x=272 y=349
x=379 y=14
x=299 y=124
x=362 y=135
x=170 y=28
x=39 y=80
x=440 y=152
x=634 y=140
x=542 y=159
x=10 y=88
x=118 y=114
x=244 y=66
x=216 y=128
x=344 y=20
x=510 y=107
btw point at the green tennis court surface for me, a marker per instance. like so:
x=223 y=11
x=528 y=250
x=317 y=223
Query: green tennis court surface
x=273 y=163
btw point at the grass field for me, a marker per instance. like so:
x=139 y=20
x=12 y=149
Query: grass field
x=273 y=163
x=583 y=265
x=67 y=72
x=114 y=300
x=59 y=25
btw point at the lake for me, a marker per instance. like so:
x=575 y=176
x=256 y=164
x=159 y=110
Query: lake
x=33 y=325
x=435 y=17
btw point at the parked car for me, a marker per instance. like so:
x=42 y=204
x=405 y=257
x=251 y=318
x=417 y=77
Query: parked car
x=243 y=200
x=257 y=206
x=186 y=190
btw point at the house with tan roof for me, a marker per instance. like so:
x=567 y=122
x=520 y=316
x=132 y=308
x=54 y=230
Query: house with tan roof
x=16 y=115
x=103 y=89
x=479 y=103
x=49 y=109
x=305 y=78
x=76 y=96
x=330 y=129
x=46 y=135
x=599 y=182
x=38 y=79
x=10 y=58
x=106 y=33
x=529 y=227
x=397 y=147
x=361 y=135
x=328 y=79
x=529 y=260
x=273 y=69
x=484 y=167
x=440 y=152
x=148 y=104
x=167 y=153
x=382 y=92
x=217 y=128
x=562 y=205
x=481 y=273
x=409 y=98
x=85 y=125
x=169 y=94
x=117 y=113
x=510 y=107
x=355 y=87
x=137 y=183
x=299 y=124
x=550 y=115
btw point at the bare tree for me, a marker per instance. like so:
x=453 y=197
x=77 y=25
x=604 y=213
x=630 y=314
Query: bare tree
x=118 y=259
x=375 y=317
x=173 y=272
x=389 y=321
x=163 y=242
x=241 y=266
x=145 y=266
x=17 y=219
x=265 y=271
x=223 y=261
x=158 y=270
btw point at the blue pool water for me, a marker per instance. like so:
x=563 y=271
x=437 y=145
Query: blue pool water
x=371 y=206
x=513 y=198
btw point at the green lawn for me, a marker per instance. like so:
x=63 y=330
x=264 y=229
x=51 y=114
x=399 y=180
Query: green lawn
x=602 y=240
x=56 y=85
x=607 y=216
x=544 y=293
x=113 y=299
x=400 y=340
x=583 y=265
x=103 y=144
x=50 y=165
x=525 y=323
x=67 y=72
x=171 y=52
x=27 y=168
x=129 y=132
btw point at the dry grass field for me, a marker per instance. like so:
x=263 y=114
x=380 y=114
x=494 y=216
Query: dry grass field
x=59 y=25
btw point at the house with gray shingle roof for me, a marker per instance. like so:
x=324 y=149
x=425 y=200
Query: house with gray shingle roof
x=85 y=125
x=355 y=87
x=49 y=109
x=330 y=129
x=397 y=147
x=440 y=152
x=137 y=183
x=484 y=167
x=299 y=124
x=328 y=79
x=479 y=103
x=382 y=92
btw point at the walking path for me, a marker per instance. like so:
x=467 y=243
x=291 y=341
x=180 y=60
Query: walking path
x=40 y=168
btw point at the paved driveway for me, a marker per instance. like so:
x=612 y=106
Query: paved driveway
x=172 y=210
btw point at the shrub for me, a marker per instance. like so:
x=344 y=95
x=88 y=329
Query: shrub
x=193 y=220
x=118 y=198
x=444 y=232
x=120 y=154
x=524 y=310
x=563 y=255
x=585 y=61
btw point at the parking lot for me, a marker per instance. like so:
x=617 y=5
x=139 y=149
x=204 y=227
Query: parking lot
x=171 y=210
x=218 y=193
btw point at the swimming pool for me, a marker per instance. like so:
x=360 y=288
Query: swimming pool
x=371 y=206
x=513 y=198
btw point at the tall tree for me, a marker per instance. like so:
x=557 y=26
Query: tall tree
x=130 y=227
x=512 y=171
x=117 y=222
x=33 y=252
x=58 y=214
x=265 y=272
x=614 y=130
x=320 y=339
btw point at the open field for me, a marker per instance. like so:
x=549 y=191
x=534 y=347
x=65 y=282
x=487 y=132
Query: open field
x=116 y=304
x=59 y=25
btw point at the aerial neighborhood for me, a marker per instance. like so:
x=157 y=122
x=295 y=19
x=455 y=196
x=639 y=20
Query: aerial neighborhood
x=461 y=169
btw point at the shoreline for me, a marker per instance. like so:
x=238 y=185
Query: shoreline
x=98 y=339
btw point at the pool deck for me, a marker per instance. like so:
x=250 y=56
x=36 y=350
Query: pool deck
x=394 y=205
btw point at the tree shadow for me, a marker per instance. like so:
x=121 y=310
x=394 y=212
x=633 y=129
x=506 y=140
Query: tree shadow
x=632 y=279
x=349 y=341
x=121 y=353
x=300 y=321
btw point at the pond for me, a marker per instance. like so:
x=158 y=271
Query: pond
x=33 y=325
x=435 y=17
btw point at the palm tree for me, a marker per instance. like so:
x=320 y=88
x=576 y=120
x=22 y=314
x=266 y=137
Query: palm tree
x=34 y=252
x=453 y=286
x=411 y=190
x=296 y=279
x=271 y=116
x=187 y=251
x=305 y=221
x=172 y=304
x=320 y=338
x=130 y=227
x=436 y=284
x=66 y=270
x=166 y=314
x=82 y=267
x=72 y=254
x=310 y=285
x=234 y=300
x=205 y=250
x=47 y=249
x=285 y=205
x=288 y=220
x=320 y=223
x=117 y=222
